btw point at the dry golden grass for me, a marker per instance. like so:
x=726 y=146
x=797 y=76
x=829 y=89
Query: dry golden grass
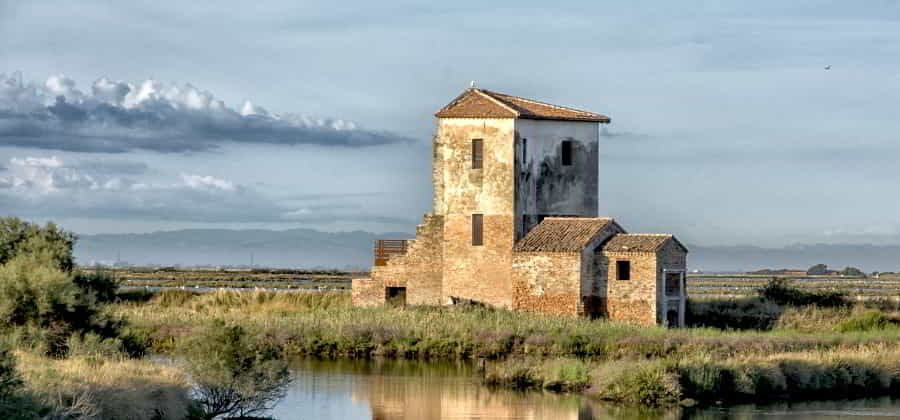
x=95 y=388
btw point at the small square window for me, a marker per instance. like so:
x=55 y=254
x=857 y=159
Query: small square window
x=477 y=153
x=477 y=229
x=567 y=152
x=623 y=270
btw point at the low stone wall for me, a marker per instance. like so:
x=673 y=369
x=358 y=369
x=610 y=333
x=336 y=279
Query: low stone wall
x=547 y=283
x=367 y=292
x=632 y=311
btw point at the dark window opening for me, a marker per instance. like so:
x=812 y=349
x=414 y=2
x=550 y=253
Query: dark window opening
x=395 y=296
x=477 y=153
x=623 y=270
x=477 y=229
x=566 y=152
x=524 y=150
x=673 y=284
x=672 y=318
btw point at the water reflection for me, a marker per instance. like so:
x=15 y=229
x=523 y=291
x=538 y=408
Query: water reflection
x=398 y=390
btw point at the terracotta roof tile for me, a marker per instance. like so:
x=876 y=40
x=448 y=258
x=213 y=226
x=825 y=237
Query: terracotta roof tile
x=481 y=103
x=562 y=234
x=638 y=242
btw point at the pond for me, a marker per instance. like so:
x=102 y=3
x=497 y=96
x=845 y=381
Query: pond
x=350 y=389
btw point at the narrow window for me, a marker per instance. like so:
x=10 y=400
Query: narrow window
x=623 y=270
x=567 y=152
x=524 y=150
x=477 y=229
x=477 y=153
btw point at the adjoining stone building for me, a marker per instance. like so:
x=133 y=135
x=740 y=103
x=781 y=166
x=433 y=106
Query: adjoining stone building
x=515 y=225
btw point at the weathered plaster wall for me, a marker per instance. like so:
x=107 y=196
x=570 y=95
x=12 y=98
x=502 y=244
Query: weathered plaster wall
x=477 y=273
x=670 y=257
x=543 y=185
x=547 y=282
x=633 y=300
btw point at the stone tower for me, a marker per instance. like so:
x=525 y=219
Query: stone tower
x=501 y=164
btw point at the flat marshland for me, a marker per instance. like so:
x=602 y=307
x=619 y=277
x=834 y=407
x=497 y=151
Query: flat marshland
x=761 y=349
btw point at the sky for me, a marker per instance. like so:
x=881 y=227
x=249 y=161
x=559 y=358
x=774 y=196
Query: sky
x=763 y=123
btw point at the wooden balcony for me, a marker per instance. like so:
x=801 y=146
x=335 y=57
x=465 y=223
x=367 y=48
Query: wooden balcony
x=386 y=248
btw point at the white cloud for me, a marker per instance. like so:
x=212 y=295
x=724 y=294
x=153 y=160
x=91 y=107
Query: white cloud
x=207 y=182
x=116 y=117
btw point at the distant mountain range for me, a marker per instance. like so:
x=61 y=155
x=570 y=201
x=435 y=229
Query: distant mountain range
x=295 y=248
x=308 y=248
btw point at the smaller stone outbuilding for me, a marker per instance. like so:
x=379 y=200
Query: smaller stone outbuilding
x=591 y=267
x=645 y=279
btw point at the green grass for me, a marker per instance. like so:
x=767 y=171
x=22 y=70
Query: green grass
x=327 y=325
x=864 y=371
x=807 y=351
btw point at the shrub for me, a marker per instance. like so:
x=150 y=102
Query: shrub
x=41 y=306
x=236 y=374
x=649 y=383
x=781 y=292
x=867 y=321
x=705 y=380
x=738 y=314
x=103 y=285
x=48 y=243
x=10 y=382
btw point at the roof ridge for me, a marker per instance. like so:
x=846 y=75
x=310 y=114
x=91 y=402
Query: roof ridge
x=486 y=94
x=577 y=218
x=523 y=99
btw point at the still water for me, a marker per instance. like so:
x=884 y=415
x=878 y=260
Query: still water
x=417 y=390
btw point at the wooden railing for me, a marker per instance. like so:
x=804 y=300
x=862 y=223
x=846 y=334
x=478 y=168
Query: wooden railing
x=385 y=248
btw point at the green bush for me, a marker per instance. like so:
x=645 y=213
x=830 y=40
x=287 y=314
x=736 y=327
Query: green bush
x=48 y=243
x=235 y=373
x=867 y=321
x=41 y=306
x=10 y=382
x=736 y=314
x=648 y=383
x=781 y=292
x=102 y=284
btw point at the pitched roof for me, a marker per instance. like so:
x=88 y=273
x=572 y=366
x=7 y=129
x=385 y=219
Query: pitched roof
x=562 y=234
x=481 y=103
x=639 y=242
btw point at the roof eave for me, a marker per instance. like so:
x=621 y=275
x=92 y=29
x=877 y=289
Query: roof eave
x=599 y=119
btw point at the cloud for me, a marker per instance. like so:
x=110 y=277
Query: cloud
x=118 y=117
x=50 y=187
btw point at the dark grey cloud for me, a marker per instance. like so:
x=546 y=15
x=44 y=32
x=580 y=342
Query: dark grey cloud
x=118 y=117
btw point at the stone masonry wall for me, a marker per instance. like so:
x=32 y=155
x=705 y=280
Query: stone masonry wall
x=594 y=273
x=547 y=282
x=477 y=273
x=367 y=292
x=633 y=300
x=424 y=281
x=419 y=270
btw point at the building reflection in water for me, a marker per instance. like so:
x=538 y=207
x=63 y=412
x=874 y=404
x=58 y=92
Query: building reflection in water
x=401 y=390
